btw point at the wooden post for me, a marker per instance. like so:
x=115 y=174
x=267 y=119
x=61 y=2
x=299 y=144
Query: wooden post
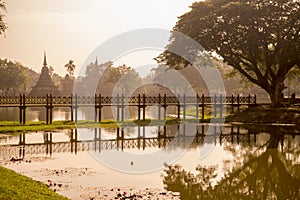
x=139 y=136
x=71 y=139
x=122 y=132
x=122 y=138
x=159 y=106
x=215 y=105
x=184 y=107
x=139 y=107
x=96 y=108
x=100 y=108
x=232 y=103
x=221 y=106
x=20 y=109
x=238 y=102
x=122 y=107
x=249 y=100
x=255 y=99
x=100 y=138
x=118 y=133
x=51 y=108
x=118 y=111
x=202 y=106
x=50 y=143
x=76 y=107
x=71 y=106
x=231 y=134
x=144 y=107
x=238 y=135
x=165 y=106
x=197 y=107
x=215 y=135
x=144 y=136
x=24 y=109
x=178 y=107
x=47 y=109
x=76 y=140
x=165 y=136
x=95 y=138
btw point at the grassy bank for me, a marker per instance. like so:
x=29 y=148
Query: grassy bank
x=15 y=127
x=256 y=115
x=16 y=186
x=266 y=115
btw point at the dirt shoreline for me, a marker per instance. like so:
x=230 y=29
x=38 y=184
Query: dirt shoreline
x=64 y=181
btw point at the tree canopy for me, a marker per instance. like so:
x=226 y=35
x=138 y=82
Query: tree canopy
x=70 y=68
x=260 y=39
x=13 y=77
x=125 y=78
x=3 y=25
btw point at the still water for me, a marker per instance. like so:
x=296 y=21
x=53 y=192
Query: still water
x=84 y=113
x=34 y=114
x=204 y=160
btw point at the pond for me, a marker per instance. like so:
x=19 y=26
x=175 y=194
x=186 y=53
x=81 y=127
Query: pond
x=203 y=160
x=84 y=113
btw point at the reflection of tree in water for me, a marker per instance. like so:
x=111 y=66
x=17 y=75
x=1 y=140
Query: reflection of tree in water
x=265 y=173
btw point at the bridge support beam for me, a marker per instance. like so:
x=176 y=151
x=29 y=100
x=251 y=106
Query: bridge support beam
x=165 y=107
x=144 y=107
x=22 y=109
x=159 y=107
x=178 y=107
x=98 y=108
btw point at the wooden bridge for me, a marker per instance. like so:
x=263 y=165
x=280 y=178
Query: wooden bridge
x=120 y=102
x=161 y=140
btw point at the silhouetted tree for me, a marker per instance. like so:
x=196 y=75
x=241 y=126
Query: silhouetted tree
x=88 y=84
x=13 y=77
x=123 y=77
x=259 y=38
x=3 y=25
x=70 y=68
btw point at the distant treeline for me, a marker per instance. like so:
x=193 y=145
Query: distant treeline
x=16 y=78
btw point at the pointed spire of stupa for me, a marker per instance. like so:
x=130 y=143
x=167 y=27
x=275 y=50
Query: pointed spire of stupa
x=45 y=60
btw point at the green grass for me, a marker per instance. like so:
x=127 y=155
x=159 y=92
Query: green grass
x=246 y=115
x=208 y=114
x=266 y=115
x=15 y=127
x=16 y=186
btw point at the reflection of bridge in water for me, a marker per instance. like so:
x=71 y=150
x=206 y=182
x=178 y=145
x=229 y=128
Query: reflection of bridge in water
x=163 y=139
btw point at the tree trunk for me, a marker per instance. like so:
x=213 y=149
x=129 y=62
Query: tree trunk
x=276 y=96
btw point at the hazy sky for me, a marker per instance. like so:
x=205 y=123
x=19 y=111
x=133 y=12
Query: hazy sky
x=72 y=29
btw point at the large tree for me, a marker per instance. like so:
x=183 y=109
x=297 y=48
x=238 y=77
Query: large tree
x=3 y=25
x=125 y=78
x=259 y=38
x=13 y=78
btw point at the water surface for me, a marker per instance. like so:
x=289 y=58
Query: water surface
x=135 y=156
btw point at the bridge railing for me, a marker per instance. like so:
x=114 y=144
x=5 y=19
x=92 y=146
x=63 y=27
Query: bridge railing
x=140 y=99
x=9 y=100
x=119 y=101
